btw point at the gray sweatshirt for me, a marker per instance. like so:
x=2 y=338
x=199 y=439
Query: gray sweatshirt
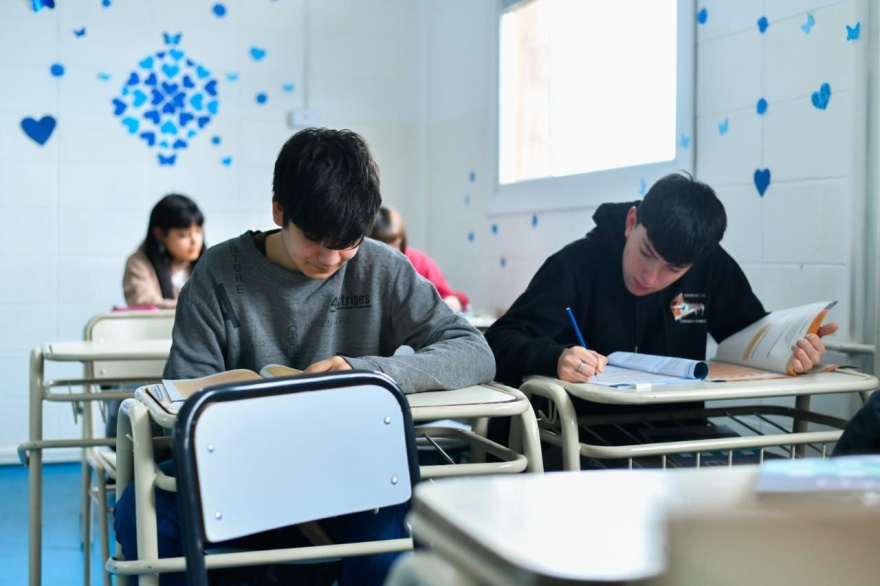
x=240 y=310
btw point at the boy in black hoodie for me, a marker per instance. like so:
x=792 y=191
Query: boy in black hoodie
x=650 y=278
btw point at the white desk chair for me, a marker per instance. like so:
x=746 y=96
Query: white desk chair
x=356 y=429
x=111 y=327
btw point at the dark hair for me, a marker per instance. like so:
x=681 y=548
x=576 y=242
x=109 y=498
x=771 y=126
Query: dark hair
x=683 y=217
x=172 y=211
x=387 y=230
x=328 y=186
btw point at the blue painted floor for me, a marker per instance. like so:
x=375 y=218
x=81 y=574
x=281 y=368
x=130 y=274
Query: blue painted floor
x=62 y=554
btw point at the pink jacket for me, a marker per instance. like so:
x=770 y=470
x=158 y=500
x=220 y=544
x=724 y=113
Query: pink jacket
x=426 y=267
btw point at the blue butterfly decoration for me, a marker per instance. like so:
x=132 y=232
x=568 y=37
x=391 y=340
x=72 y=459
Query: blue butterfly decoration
x=166 y=100
x=852 y=32
x=723 y=126
x=79 y=32
x=808 y=26
x=40 y=4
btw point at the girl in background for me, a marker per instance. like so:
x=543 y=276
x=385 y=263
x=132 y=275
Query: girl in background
x=165 y=259
x=389 y=229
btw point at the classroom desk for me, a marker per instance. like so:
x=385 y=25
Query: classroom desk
x=135 y=460
x=610 y=526
x=31 y=452
x=566 y=430
x=481 y=321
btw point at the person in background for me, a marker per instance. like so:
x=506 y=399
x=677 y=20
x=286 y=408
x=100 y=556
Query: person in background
x=163 y=262
x=390 y=230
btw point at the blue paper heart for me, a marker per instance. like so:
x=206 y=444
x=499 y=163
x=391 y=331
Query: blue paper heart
x=160 y=54
x=57 y=69
x=232 y=76
x=202 y=72
x=133 y=79
x=185 y=117
x=288 y=87
x=168 y=108
x=170 y=70
x=146 y=63
x=151 y=79
x=124 y=90
x=169 y=128
x=219 y=10
x=723 y=126
x=702 y=16
x=79 y=32
x=763 y=23
x=215 y=140
x=257 y=53
x=187 y=82
x=104 y=76
x=262 y=98
x=40 y=4
x=167 y=160
x=196 y=101
x=118 y=106
x=169 y=88
x=820 y=98
x=40 y=130
x=139 y=98
x=852 y=32
x=176 y=54
x=761 y=106
x=212 y=106
x=179 y=144
x=226 y=161
x=808 y=26
x=131 y=123
x=211 y=87
x=158 y=97
x=152 y=115
x=203 y=120
x=191 y=133
x=685 y=141
x=150 y=137
x=762 y=180
x=164 y=144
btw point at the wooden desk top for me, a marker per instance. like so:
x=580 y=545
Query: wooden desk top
x=839 y=381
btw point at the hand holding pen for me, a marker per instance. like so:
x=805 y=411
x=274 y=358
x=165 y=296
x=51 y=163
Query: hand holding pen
x=578 y=364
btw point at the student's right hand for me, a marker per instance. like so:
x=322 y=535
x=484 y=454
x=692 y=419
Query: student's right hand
x=335 y=363
x=577 y=364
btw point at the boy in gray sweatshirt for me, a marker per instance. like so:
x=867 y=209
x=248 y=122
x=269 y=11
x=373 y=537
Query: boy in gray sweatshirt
x=316 y=295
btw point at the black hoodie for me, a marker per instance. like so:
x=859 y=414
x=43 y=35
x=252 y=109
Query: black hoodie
x=713 y=297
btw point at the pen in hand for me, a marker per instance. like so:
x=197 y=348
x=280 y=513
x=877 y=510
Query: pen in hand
x=577 y=331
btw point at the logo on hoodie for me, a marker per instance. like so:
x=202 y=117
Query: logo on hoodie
x=686 y=311
x=341 y=302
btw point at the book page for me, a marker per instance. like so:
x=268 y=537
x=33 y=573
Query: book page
x=668 y=365
x=181 y=389
x=766 y=344
x=276 y=370
x=615 y=376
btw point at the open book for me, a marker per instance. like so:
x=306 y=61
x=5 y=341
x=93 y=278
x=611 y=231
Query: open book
x=759 y=351
x=173 y=392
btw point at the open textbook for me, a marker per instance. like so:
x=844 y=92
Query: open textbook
x=177 y=391
x=759 y=351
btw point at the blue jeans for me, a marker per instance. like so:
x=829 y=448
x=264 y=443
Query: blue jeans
x=387 y=523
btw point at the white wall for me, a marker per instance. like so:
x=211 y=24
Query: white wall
x=73 y=209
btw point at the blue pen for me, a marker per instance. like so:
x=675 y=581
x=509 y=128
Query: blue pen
x=577 y=330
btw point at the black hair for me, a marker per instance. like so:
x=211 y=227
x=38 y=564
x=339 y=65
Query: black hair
x=328 y=186
x=683 y=217
x=386 y=230
x=172 y=211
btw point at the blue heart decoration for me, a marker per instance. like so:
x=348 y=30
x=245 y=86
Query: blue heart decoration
x=131 y=123
x=852 y=32
x=211 y=87
x=169 y=128
x=231 y=76
x=169 y=88
x=188 y=83
x=288 y=87
x=170 y=70
x=40 y=4
x=257 y=53
x=219 y=10
x=808 y=26
x=212 y=106
x=150 y=137
x=643 y=187
x=196 y=101
x=702 y=16
x=761 y=106
x=226 y=161
x=158 y=97
x=202 y=72
x=152 y=115
x=57 y=69
x=685 y=141
x=133 y=79
x=139 y=98
x=164 y=144
x=215 y=140
x=185 y=117
x=151 y=79
x=203 y=120
x=179 y=144
x=723 y=126
x=104 y=76
x=191 y=133
x=118 y=106
x=762 y=180
x=763 y=23
x=40 y=130
x=820 y=98
x=79 y=32
x=146 y=63
x=176 y=54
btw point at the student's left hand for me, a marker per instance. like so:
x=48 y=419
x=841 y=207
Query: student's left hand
x=335 y=363
x=806 y=352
